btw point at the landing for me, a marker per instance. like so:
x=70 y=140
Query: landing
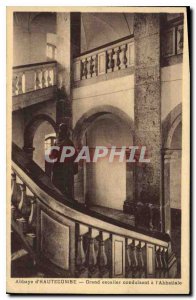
x=116 y=214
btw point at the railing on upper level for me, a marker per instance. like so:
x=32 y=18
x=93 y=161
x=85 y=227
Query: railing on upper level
x=73 y=241
x=33 y=77
x=118 y=56
x=172 y=38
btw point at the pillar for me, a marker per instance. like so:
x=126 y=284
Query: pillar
x=29 y=151
x=129 y=206
x=166 y=190
x=147 y=110
x=68 y=46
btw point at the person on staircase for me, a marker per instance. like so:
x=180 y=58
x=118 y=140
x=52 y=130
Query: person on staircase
x=63 y=171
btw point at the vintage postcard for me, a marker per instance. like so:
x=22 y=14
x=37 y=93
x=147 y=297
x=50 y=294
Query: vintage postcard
x=98 y=127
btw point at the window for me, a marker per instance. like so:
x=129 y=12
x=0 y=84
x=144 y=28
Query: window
x=51 y=52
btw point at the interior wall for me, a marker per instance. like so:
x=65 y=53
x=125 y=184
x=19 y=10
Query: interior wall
x=118 y=92
x=51 y=38
x=171 y=88
x=28 y=47
x=106 y=182
x=30 y=37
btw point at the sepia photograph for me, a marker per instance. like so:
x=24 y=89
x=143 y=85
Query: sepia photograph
x=98 y=124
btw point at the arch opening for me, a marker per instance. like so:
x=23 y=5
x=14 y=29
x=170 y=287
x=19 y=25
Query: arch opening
x=172 y=137
x=37 y=133
x=104 y=184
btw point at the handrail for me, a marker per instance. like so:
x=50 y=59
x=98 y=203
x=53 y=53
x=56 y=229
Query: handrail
x=34 y=64
x=39 y=183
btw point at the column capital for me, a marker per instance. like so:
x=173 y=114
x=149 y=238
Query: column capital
x=167 y=153
x=171 y=154
x=28 y=149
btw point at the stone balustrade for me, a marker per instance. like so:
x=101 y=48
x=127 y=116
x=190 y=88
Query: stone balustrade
x=100 y=250
x=117 y=56
x=172 y=40
x=33 y=77
x=93 y=246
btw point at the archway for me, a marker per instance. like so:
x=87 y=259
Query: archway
x=103 y=183
x=172 y=185
x=172 y=138
x=40 y=128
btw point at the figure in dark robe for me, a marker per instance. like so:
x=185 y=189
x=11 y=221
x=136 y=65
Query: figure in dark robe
x=63 y=172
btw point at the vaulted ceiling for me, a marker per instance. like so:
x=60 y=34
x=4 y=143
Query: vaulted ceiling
x=96 y=28
x=35 y=21
x=100 y=28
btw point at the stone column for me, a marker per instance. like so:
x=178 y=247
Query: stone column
x=29 y=151
x=129 y=206
x=148 y=119
x=68 y=46
x=166 y=190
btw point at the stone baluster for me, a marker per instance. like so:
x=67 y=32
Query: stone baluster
x=22 y=204
x=44 y=76
x=179 y=38
x=129 y=261
x=13 y=195
x=81 y=69
x=110 y=60
x=80 y=259
x=141 y=259
x=53 y=76
x=20 y=83
x=33 y=216
x=102 y=257
x=135 y=263
x=38 y=79
x=160 y=258
x=84 y=68
x=89 y=65
x=31 y=238
x=164 y=260
x=49 y=79
x=14 y=85
x=123 y=57
x=31 y=234
x=13 y=188
x=158 y=262
x=35 y=80
x=94 y=66
x=17 y=84
x=23 y=210
x=116 y=58
x=81 y=270
x=91 y=255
